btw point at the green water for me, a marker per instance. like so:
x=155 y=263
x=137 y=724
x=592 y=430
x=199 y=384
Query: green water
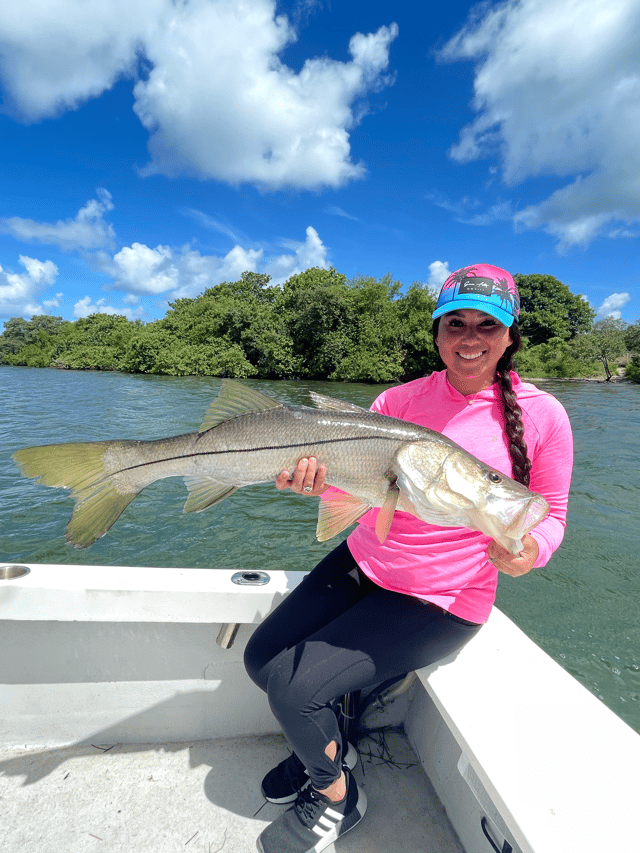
x=583 y=608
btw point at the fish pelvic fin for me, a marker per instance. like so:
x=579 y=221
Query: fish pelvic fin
x=324 y=402
x=385 y=516
x=205 y=492
x=236 y=399
x=337 y=512
x=81 y=468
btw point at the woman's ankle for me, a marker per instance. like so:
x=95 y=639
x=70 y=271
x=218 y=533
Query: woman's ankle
x=337 y=791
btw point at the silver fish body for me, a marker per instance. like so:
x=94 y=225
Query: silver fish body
x=249 y=438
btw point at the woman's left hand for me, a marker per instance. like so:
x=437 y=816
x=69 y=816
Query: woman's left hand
x=514 y=564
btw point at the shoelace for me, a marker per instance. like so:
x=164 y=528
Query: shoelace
x=308 y=804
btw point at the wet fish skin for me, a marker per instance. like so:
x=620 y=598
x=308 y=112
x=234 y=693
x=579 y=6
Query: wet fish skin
x=249 y=438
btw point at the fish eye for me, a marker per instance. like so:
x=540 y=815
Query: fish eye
x=494 y=477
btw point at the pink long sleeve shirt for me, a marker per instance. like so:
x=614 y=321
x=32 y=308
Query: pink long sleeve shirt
x=449 y=565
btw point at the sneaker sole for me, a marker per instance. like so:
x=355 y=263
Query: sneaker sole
x=350 y=760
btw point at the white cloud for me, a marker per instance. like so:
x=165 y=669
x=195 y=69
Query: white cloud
x=54 y=302
x=19 y=292
x=338 y=211
x=184 y=272
x=217 y=101
x=462 y=209
x=557 y=92
x=56 y=55
x=612 y=304
x=87 y=231
x=84 y=307
x=176 y=273
x=311 y=253
x=439 y=272
x=213 y=224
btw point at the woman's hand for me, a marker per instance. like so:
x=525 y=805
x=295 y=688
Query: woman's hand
x=514 y=564
x=307 y=479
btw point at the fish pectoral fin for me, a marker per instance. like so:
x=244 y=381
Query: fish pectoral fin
x=324 y=402
x=338 y=512
x=385 y=516
x=204 y=492
x=234 y=400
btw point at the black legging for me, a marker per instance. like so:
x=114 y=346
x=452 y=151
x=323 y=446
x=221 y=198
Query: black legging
x=338 y=632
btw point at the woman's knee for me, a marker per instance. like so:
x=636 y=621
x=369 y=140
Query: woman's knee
x=256 y=662
x=286 y=691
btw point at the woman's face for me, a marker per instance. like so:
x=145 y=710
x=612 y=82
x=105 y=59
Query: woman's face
x=471 y=343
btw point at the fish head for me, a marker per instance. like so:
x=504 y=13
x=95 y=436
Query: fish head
x=445 y=485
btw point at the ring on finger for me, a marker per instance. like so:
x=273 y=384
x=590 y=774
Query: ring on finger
x=307 y=489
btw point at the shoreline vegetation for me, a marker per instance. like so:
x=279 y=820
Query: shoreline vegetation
x=320 y=325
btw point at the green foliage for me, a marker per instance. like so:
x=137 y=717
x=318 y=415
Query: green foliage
x=318 y=325
x=374 y=353
x=414 y=312
x=316 y=315
x=552 y=360
x=632 y=337
x=158 y=350
x=605 y=342
x=632 y=371
x=31 y=342
x=548 y=309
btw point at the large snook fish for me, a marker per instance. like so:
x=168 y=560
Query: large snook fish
x=247 y=438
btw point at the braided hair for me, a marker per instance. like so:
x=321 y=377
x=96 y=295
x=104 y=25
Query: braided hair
x=514 y=427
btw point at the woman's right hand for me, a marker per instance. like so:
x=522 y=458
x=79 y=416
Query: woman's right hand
x=307 y=479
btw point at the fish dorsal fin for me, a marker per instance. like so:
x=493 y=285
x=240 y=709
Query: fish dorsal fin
x=234 y=400
x=205 y=492
x=324 y=402
x=336 y=513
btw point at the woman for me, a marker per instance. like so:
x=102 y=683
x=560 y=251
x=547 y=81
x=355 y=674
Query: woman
x=373 y=611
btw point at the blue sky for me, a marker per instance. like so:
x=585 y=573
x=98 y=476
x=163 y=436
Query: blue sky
x=151 y=150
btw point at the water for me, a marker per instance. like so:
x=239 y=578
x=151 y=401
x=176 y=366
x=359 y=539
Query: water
x=583 y=608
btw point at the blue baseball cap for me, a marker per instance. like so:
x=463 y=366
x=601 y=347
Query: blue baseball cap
x=484 y=288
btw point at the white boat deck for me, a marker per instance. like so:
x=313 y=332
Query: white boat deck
x=198 y=797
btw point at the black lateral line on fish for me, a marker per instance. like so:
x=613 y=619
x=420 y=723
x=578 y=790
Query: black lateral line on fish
x=249 y=450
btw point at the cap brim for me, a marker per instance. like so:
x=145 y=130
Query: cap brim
x=502 y=316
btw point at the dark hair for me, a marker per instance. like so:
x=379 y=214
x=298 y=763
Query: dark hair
x=513 y=426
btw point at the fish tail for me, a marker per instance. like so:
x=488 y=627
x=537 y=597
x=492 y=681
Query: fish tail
x=100 y=500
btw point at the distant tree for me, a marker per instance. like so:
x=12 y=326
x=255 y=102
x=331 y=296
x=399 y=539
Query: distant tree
x=374 y=353
x=14 y=336
x=240 y=317
x=548 y=309
x=632 y=371
x=38 y=331
x=96 y=342
x=31 y=342
x=316 y=311
x=632 y=337
x=414 y=309
x=605 y=343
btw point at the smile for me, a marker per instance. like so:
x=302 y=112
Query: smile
x=470 y=356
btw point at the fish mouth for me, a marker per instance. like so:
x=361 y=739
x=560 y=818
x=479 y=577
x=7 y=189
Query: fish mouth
x=511 y=521
x=530 y=514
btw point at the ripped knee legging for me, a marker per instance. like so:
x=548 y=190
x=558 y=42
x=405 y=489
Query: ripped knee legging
x=338 y=632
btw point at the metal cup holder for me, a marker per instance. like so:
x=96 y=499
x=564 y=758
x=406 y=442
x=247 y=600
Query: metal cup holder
x=9 y=573
x=248 y=578
x=227 y=635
